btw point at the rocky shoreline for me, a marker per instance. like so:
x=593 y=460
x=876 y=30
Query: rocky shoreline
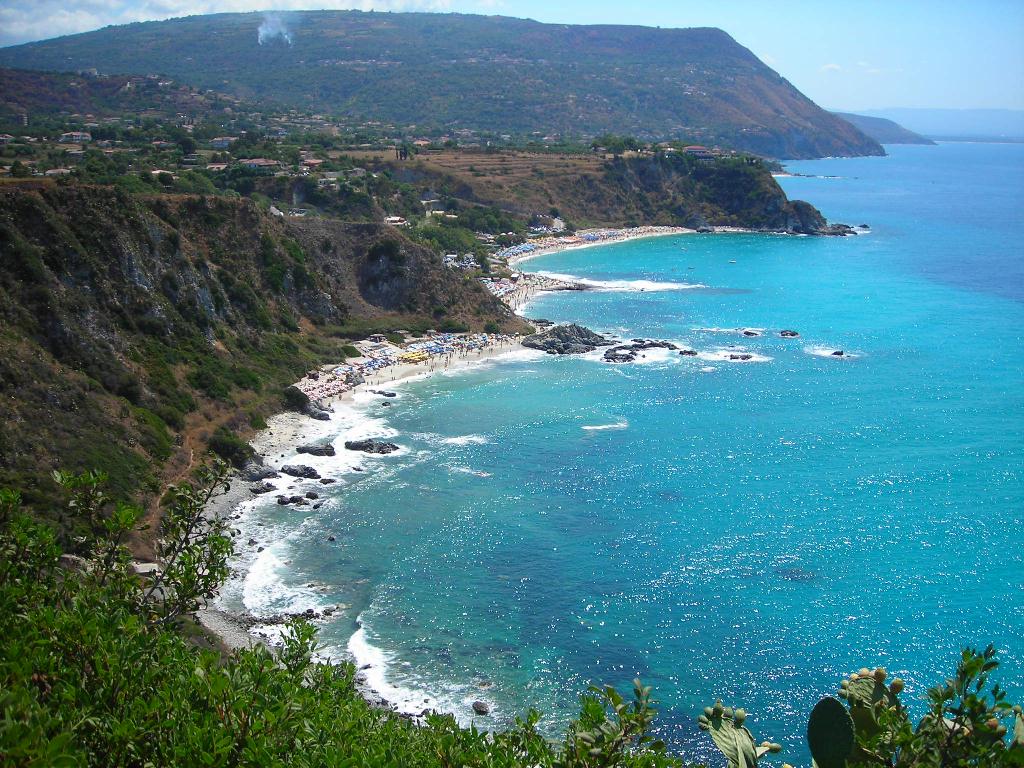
x=289 y=431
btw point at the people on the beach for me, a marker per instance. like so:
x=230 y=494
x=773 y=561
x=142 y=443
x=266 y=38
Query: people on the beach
x=379 y=356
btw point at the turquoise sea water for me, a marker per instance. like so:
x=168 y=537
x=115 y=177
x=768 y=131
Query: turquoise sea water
x=749 y=530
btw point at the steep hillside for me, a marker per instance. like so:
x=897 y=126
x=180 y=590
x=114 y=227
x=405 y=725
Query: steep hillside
x=135 y=330
x=52 y=93
x=884 y=131
x=591 y=191
x=477 y=72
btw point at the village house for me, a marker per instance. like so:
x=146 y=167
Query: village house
x=75 y=137
x=223 y=142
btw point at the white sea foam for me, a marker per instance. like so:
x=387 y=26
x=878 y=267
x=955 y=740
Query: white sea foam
x=742 y=331
x=708 y=369
x=470 y=471
x=635 y=286
x=265 y=592
x=621 y=424
x=729 y=356
x=829 y=352
x=465 y=440
x=374 y=662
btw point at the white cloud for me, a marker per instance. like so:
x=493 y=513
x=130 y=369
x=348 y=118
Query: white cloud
x=25 y=20
x=830 y=68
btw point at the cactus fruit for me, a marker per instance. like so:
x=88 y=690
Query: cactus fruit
x=896 y=686
x=1018 y=728
x=880 y=675
x=830 y=734
x=735 y=741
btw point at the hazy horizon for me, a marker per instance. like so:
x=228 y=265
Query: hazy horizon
x=924 y=55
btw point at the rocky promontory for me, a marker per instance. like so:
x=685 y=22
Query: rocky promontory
x=568 y=339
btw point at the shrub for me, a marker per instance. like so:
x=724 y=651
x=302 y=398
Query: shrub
x=294 y=398
x=230 y=447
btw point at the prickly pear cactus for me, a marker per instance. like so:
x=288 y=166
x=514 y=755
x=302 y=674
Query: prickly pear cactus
x=736 y=742
x=830 y=734
x=867 y=695
x=1018 y=728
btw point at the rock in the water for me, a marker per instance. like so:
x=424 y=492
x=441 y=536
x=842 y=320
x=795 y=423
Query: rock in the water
x=838 y=353
x=741 y=357
x=688 y=352
x=316 y=450
x=259 y=488
x=788 y=334
x=327 y=481
x=370 y=446
x=569 y=339
x=301 y=470
x=626 y=353
x=312 y=495
x=481 y=707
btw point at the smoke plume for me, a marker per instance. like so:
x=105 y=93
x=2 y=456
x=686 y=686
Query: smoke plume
x=274 y=26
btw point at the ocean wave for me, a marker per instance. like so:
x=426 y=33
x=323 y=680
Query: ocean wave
x=635 y=286
x=373 y=662
x=621 y=424
x=265 y=592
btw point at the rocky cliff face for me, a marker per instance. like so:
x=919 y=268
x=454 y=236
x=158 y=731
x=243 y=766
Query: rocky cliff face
x=136 y=330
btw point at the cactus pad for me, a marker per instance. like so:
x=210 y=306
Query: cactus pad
x=830 y=733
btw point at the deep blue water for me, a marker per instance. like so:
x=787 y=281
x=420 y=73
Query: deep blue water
x=744 y=530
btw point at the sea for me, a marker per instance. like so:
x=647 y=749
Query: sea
x=745 y=529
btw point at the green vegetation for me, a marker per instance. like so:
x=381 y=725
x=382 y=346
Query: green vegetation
x=966 y=725
x=490 y=74
x=138 y=329
x=100 y=666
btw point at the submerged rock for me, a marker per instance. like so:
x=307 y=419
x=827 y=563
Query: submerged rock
x=626 y=353
x=569 y=339
x=788 y=334
x=688 y=352
x=259 y=488
x=370 y=446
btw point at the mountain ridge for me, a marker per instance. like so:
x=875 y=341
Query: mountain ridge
x=481 y=73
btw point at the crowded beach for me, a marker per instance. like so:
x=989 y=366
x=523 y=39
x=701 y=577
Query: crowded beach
x=382 y=361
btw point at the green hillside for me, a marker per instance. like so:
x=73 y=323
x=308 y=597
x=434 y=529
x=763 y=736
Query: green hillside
x=482 y=73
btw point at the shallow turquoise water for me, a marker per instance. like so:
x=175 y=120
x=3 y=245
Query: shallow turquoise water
x=745 y=530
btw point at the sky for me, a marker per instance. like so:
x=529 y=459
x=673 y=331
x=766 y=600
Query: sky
x=863 y=55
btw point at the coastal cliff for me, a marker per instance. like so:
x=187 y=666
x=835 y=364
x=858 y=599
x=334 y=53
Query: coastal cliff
x=663 y=189
x=139 y=331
